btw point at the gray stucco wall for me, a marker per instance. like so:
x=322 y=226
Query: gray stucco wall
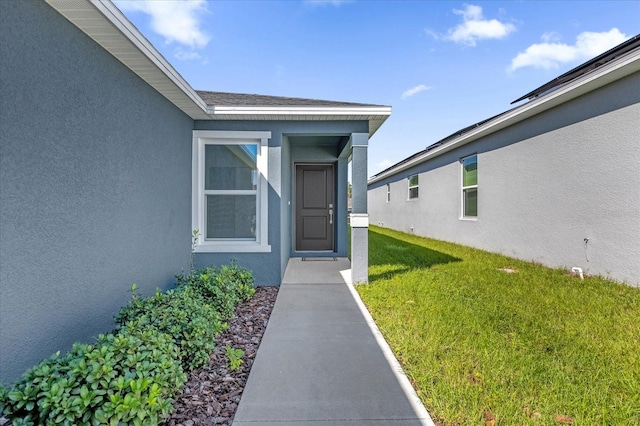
x=545 y=184
x=269 y=268
x=286 y=240
x=359 y=233
x=95 y=186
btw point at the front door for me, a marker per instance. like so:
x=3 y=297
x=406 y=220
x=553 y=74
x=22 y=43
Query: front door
x=315 y=207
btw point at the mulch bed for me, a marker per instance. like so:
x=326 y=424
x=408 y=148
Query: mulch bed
x=211 y=394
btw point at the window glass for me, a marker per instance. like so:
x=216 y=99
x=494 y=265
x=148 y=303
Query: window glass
x=470 y=186
x=230 y=186
x=413 y=186
x=231 y=216
x=230 y=167
x=471 y=202
x=470 y=171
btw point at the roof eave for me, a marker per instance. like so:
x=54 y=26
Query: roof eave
x=608 y=73
x=103 y=22
x=375 y=115
x=590 y=65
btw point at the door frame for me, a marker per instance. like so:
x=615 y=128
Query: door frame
x=295 y=204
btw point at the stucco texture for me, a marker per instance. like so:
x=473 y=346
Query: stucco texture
x=544 y=185
x=95 y=186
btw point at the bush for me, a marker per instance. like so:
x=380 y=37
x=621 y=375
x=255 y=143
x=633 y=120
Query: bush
x=184 y=315
x=128 y=378
x=224 y=288
x=239 y=280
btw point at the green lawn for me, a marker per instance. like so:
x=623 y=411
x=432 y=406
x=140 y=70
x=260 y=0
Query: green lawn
x=536 y=346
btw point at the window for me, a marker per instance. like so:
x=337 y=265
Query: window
x=413 y=186
x=230 y=191
x=388 y=193
x=470 y=186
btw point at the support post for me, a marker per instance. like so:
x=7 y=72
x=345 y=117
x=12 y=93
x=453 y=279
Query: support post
x=359 y=219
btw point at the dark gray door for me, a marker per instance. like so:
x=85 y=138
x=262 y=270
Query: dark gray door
x=315 y=207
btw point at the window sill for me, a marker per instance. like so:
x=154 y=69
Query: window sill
x=469 y=219
x=232 y=248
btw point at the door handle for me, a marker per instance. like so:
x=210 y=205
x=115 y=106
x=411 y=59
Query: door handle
x=330 y=216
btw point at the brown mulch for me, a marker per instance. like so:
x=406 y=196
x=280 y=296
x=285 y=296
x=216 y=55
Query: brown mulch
x=211 y=394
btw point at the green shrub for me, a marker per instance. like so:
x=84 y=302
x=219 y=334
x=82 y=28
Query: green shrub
x=129 y=377
x=126 y=378
x=240 y=281
x=184 y=315
x=234 y=356
x=224 y=288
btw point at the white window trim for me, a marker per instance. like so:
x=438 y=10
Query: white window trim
x=462 y=215
x=201 y=138
x=409 y=187
x=388 y=186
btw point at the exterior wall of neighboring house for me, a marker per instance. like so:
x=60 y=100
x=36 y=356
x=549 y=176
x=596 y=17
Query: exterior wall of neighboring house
x=544 y=185
x=94 y=186
x=291 y=142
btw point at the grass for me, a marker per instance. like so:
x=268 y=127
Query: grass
x=533 y=347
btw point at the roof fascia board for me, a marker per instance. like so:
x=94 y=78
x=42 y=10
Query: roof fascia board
x=376 y=116
x=300 y=110
x=600 y=77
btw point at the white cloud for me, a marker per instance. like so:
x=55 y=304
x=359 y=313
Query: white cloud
x=189 y=55
x=420 y=88
x=475 y=27
x=430 y=32
x=550 y=54
x=385 y=164
x=550 y=37
x=176 y=21
x=327 y=2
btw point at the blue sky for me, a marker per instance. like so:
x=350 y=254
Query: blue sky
x=441 y=65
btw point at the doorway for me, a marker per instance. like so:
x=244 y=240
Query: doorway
x=315 y=207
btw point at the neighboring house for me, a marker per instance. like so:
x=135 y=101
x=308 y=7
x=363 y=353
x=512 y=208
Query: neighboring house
x=109 y=160
x=555 y=180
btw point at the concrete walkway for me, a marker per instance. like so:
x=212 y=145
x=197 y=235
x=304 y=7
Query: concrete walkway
x=320 y=363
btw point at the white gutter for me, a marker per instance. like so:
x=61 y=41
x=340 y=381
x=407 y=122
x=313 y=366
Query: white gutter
x=601 y=76
x=300 y=110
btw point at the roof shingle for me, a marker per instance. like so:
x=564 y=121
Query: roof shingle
x=243 y=99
